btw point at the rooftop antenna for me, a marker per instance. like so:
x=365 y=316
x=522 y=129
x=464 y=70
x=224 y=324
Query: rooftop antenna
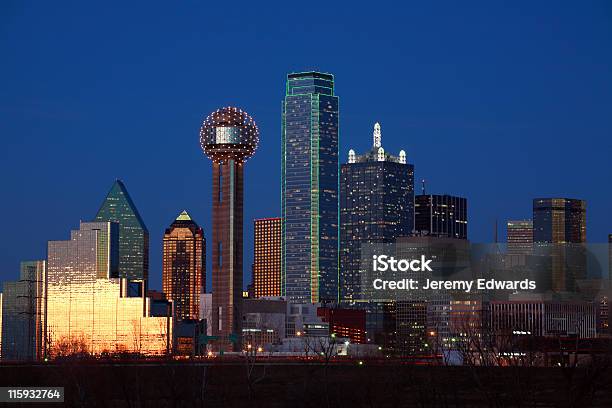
x=423 y=186
x=495 y=232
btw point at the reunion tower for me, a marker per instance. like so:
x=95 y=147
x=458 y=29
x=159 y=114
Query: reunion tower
x=229 y=136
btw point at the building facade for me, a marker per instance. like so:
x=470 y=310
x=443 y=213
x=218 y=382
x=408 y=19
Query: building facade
x=133 y=234
x=543 y=318
x=441 y=216
x=376 y=205
x=559 y=220
x=89 y=311
x=184 y=266
x=520 y=237
x=267 y=257
x=229 y=136
x=23 y=314
x=559 y=233
x=309 y=188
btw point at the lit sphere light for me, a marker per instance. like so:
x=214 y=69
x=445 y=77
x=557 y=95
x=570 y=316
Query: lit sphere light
x=229 y=134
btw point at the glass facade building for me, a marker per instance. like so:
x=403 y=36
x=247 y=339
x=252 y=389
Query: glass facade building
x=559 y=220
x=559 y=232
x=23 y=314
x=376 y=205
x=133 y=234
x=90 y=311
x=440 y=216
x=309 y=189
x=184 y=266
x=267 y=257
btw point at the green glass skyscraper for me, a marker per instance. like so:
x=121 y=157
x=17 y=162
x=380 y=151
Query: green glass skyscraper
x=133 y=234
x=309 y=183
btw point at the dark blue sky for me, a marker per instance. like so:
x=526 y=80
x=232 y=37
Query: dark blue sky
x=497 y=101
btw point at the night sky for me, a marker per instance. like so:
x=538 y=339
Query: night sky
x=498 y=102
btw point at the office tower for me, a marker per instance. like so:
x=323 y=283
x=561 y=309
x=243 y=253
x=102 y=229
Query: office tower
x=23 y=312
x=267 y=257
x=89 y=311
x=440 y=215
x=559 y=220
x=520 y=237
x=309 y=188
x=184 y=266
x=133 y=234
x=376 y=205
x=411 y=324
x=229 y=136
x=559 y=232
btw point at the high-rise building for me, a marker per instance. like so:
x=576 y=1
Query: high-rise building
x=309 y=188
x=229 y=136
x=440 y=215
x=267 y=257
x=133 y=234
x=559 y=232
x=376 y=205
x=23 y=314
x=520 y=237
x=89 y=311
x=559 y=220
x=184 y=266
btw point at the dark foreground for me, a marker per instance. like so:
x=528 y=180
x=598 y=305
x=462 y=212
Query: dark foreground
x=301 y=385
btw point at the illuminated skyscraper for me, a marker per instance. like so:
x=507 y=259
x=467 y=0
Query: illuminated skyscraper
x=87 y=309
x=520 y=237
x=440 y=216
x=267 y=257
x=184 y=266
x=559 y=231
x=309 y=188
x=133 y=234
x=23 y=314
x=559 y=220
x=229 y=136
x=376 y=205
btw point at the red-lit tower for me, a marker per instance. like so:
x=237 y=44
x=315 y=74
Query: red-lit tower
x=229 y=136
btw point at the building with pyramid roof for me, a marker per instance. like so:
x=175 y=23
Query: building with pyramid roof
x=133 y=234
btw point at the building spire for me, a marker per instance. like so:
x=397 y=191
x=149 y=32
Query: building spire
x=377 y=135
x=184 y=216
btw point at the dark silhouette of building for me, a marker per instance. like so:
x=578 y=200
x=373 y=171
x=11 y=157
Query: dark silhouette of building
x=376 y=205
x=440 y=216
x=309 y=183
x=133 y=234
x=184 y=266
x=267 y=257
x=229 y=136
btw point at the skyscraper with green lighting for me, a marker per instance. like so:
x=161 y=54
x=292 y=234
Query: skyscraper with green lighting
x=309 y=183
x=133 y=234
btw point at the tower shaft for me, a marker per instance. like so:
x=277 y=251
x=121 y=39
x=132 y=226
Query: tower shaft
x=227 y=243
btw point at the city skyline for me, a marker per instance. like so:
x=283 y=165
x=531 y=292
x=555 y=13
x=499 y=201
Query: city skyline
x=453 y=108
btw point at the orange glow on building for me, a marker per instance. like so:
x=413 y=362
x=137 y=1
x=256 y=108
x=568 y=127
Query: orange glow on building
x=267 y=257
